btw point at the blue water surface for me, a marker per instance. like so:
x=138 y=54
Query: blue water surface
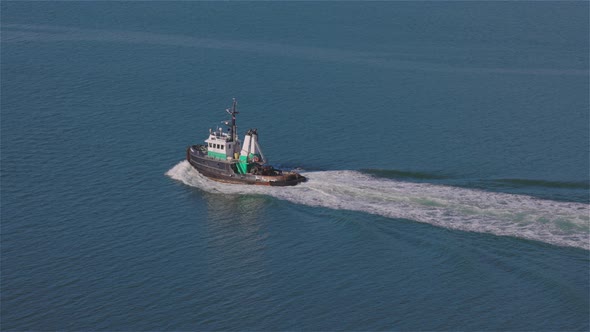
x=477 y=113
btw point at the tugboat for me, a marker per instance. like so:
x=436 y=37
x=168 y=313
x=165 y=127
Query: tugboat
x=225 y=158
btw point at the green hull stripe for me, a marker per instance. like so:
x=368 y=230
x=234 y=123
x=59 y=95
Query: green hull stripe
x=217 y=155
x=242 y=166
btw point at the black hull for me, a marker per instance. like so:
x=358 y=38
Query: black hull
x=223 y=171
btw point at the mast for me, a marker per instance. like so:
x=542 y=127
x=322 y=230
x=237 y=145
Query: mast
x=234 y=111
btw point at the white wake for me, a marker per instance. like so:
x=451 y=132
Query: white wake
x=559 y=223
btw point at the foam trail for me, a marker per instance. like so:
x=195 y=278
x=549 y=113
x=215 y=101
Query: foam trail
x=559 y=223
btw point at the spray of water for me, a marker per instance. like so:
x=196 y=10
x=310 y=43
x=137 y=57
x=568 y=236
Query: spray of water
x=559 y=223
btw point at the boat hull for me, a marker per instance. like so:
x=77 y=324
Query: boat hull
x=222 y=171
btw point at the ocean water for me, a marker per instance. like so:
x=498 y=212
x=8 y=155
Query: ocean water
x=446 y=146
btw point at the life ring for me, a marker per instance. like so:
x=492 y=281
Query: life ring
x=256 y=159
